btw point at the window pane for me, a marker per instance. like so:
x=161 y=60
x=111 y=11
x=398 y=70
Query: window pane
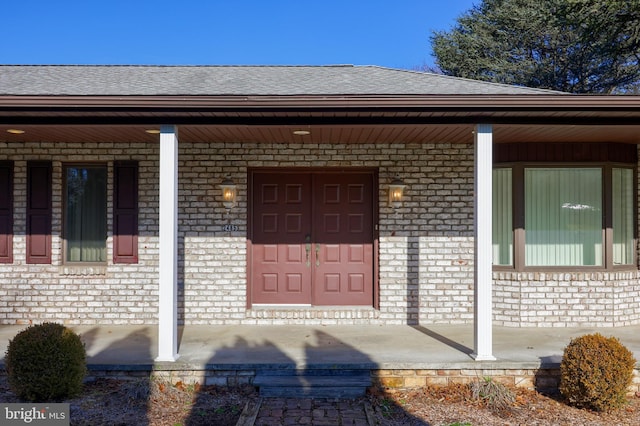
x=85 y=216
x=622 y=193
x=563 y=217
x=502 y=224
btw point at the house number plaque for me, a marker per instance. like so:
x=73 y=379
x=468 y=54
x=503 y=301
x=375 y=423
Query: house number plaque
x=230 y=228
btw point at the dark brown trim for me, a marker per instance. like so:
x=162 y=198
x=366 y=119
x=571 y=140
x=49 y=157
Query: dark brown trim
x=519 y=230
x=39 y=212
x=543 y=102
x=6 y=211
x=309 y=118
x=565 y=152
x=322 y=109
x=517 y=187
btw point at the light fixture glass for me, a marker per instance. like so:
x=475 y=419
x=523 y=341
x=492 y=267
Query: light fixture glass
x=153 y=131
x=15 y=131
x=229 y=193
x=396 y=192
x=301 y=132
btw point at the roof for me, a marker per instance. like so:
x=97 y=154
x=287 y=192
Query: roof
x=119 y=80
x=338 y=104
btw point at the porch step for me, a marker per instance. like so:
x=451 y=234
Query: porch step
x=321 y=383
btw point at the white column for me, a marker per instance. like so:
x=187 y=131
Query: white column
x=168 y=246
x=483 y=332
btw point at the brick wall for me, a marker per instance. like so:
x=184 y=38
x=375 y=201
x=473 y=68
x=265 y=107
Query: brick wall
x=425 y=247
x=593 y=299
x=434 y=228
x=114 y=294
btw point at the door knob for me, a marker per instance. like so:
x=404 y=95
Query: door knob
x=307 y=248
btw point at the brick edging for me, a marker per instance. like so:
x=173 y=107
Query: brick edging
x=545 y=380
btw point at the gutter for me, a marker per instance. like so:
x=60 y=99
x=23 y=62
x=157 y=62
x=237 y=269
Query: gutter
x=560 y=109
x=489 y=102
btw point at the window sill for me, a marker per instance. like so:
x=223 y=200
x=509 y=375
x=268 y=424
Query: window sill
x=91 y=270
x=568 y=275
x=566 y=269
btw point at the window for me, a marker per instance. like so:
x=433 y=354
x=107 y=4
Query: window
x=622 y=213
x=502 y=223
x=563 y=216
x=85 y=214
x=564 y=206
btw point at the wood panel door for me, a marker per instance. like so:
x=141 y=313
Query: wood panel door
x=343 y=239
x=311 y=240
x=281 y=238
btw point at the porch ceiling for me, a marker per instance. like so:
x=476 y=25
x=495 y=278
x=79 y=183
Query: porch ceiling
x=330 y=119
x=371 y=133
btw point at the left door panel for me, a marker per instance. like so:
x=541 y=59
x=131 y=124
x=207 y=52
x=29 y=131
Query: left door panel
x=281 y=238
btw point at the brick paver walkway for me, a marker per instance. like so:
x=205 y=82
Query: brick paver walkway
x=315 y=412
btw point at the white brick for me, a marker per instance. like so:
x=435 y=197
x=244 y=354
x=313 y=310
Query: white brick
x=430 y=257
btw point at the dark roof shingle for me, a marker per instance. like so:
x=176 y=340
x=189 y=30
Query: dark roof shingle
x=118 y=80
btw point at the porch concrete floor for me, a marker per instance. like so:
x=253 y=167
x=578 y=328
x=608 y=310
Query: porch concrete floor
x=388 y=347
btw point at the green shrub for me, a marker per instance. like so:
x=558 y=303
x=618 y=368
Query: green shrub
x=596 y=372
x=45 y=362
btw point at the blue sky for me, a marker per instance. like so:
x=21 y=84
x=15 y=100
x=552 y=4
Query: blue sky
x=391 y=33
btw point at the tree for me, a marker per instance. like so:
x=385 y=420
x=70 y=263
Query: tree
x=577 y=46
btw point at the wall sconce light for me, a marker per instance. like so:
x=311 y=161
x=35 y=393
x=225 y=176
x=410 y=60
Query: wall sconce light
x=229 y=193
x=396 y=192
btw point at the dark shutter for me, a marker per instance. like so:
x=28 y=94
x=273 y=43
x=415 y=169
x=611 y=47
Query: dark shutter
x=6 y=212
x=38 y=212
x=125 y=212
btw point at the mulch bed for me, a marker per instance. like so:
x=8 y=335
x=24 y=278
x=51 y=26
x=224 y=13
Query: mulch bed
x=154 y=402
x=454 y=405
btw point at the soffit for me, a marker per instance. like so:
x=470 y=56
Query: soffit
x=338 y=134
x=331 y=119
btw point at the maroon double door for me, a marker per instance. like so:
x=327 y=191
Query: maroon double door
x=311 y=237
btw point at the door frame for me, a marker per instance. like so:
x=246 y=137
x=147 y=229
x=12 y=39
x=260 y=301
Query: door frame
x=293 y=170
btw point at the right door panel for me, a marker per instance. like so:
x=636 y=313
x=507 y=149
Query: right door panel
x=343 y=239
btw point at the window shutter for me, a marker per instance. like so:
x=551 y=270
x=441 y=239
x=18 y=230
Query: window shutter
x=6 y=212
x=125 y=212
x=39 y=212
